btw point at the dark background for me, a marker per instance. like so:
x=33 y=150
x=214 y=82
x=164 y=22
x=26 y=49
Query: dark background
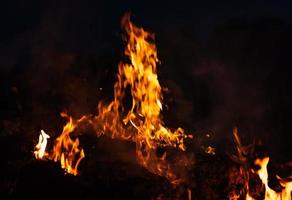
x=226 y=64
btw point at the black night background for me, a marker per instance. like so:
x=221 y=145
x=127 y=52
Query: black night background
x=225 y=64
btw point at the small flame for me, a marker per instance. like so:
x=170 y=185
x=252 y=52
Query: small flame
x=40 y=151
x=66 y=150
x=270 y=194
x=210 y=150
x=242 y=176
x=287 y=184
x=248 y=197
x=241 y=158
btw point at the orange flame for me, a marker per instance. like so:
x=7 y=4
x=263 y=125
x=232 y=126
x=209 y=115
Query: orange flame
x=287 y=184
x=66 y=150
x=141 y=76
x=142 y=124
x=270 y=194
x=40 y=151
x=241 y=158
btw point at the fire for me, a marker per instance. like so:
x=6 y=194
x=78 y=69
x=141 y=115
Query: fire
x=66 y=150
x=141 y=75
x=141 y=124
x=242 y=159
x=270 y=194
x=40 y=151
x=287 y=184
x=243 y=175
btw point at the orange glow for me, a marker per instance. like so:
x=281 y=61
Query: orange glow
x=189 y=194
x=141 y=124
x=240 y=158
x=245 y=170
x=66 y=150
x=270 y=194
x=141 y=76
x=40 y=151
x=287 y=184
x=248 y=197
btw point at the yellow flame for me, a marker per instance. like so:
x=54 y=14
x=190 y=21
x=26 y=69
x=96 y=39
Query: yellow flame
x=287 y=184
x=141 y=76
x=65 y=150
x=142 y=123
x=144 y=116
x=270 y=194
x=248 y=197
x=245 y=170
x=40 y=151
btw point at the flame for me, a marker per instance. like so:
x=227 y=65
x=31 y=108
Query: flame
x=243 y=153
x=40 y=151
x=142 y=124
x=287 y=184
x=141 y=76
x=270 y=194
x=66 y=150
x=242 y=175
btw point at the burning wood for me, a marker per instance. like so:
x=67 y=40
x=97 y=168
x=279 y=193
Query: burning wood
x=66 y=150
x=142 y=124
x=147 y=129
x=243 y=157
x=270 y=194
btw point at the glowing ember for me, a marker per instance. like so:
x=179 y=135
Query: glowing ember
x=40 y=151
